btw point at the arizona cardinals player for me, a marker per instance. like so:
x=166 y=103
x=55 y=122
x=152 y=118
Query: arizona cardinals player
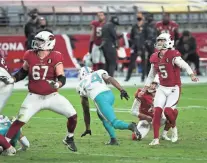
x=45 y=70
x=143 y=109
x=95 y=41
x=168 y=26
x=167 y=64
x=6 y=81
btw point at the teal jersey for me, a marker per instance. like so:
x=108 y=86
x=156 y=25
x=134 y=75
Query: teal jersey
x=4 y=127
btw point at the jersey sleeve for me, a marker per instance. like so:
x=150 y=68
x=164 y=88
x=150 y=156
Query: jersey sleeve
x=153 y=58
x=101 y=72
x=58 y=59
x=93 y=23
x=26 y=56
x=80 y=90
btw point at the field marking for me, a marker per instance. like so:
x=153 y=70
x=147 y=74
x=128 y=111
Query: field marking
x=130 y=157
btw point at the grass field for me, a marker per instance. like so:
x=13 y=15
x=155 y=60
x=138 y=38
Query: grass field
x=46 y=131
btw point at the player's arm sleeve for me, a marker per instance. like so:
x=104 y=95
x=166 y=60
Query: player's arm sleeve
x=135 y=107
x=151 y=76
x=182 y=64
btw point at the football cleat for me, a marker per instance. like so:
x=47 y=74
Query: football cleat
x=11 y=151
x=113 y=141
x=133 y=127
x=165 y=137
x=155 y=142
x=174 y=137
x=70 y=143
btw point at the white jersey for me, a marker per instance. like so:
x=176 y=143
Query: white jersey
x=93 y=84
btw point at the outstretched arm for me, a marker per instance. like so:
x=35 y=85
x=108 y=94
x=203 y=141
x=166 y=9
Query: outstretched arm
x=183 y=65
x=22 y=73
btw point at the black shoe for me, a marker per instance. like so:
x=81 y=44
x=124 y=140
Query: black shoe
x=70 y=143
x=113 y=141
x=126 y=80
x=133 y=128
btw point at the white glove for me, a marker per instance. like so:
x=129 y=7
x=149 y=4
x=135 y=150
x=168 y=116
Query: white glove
x=53 y=84
x=7 y=80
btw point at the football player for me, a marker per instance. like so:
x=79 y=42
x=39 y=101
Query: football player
x=95 y=42
x=8 y=148
x=167 y=63
x=93 y=85
x=44 y=68
x=143 y=109
x=6 y=81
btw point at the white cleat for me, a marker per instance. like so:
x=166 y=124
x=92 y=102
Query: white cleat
x=1 y=149
x=155 y=142
x=174 y=137
x=165 y=137
x=11 y=151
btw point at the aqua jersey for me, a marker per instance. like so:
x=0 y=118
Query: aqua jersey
x=93 y=84
x=4 y=127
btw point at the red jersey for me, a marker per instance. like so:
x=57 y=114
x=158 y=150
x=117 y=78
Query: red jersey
x=146 y=103
x=169 y=74
x=169 y=28
x=41 y=70
x=3 y=63
x=97 y=31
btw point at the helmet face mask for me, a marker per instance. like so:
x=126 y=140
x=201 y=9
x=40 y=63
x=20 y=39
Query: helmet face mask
x=84 y=71
x=44 y=41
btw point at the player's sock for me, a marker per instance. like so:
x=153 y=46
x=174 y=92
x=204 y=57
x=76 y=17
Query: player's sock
x=100 y=66
x=4 y=143
x=169 y=113
x=118 y=124
x=167 y=126
x=71 y=125
x=95 y=67
x=156 y=121
x=109 y=129
x=176 y=115
x=15 y=127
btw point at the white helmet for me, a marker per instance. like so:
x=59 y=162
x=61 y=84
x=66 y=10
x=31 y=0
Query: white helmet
x=84 y=71
x=168 y=44
x=44 y=41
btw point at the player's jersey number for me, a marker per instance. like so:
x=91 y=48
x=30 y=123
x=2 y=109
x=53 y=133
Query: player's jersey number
x=163 y=71
x=36 y=72
x=98 y=31
x=95 y=78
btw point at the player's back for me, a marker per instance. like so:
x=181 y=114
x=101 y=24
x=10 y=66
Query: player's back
x=41 y=70
x=94 y=83
x=168 y=72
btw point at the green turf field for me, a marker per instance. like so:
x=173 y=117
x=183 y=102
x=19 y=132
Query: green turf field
x=46 y=131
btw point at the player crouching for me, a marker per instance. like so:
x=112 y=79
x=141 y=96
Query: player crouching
x=143 y=109
x=7 y=149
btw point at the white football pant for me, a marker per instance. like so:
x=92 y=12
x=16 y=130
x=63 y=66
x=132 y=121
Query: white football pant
x=97 y=55
x=55 y=102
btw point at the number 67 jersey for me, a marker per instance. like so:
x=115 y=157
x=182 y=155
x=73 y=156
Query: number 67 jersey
x=168 y=72
x=41 y=70
x=92 y=85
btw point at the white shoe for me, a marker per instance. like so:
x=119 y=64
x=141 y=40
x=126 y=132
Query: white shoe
x=11 y=151
x=155 y=142
x=1 y=149
x=174 y=137
x=165 y=137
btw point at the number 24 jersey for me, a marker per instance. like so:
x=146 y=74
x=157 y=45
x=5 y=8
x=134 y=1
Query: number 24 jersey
x=168 y=72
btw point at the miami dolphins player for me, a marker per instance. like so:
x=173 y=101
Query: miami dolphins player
x=8 y=148
x=93 y=85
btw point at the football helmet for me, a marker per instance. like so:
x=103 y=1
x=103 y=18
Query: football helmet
x=164 y=41
x=84 y=71
x=44 y=41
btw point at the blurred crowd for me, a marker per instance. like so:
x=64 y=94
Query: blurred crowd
x=141 y=40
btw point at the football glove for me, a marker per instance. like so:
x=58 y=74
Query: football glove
x=7 y=80
x=124 y=94
x=86 y=132
x=53 y=84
